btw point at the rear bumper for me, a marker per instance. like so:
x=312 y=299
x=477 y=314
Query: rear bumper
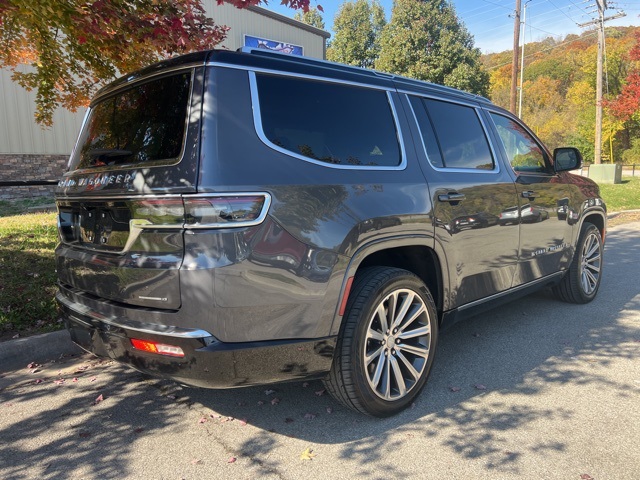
x=208 y=362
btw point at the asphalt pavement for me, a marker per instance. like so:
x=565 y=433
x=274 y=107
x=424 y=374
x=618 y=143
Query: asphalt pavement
x=534 y=389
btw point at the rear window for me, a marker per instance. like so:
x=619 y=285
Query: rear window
x=328 y=122
x=140 y=125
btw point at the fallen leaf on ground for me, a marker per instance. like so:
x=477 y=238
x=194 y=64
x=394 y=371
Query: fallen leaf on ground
x=59 y=381
x=195 y=461
x=33 y=365
x=232 y=460
x=275 y=401
x=75 y=379
x=454 y=389
x=479 y=386
x=309 y=416
x=260 y=402
x=138 y=430
x=202 y=420
x=305 y=384
x=319 y=393
x=37 y=380
x=98 y=399
x=586 y=476
x=243 y=421
x=329 y=410
x=269 y=392
x=92 y=379
x=307 y=454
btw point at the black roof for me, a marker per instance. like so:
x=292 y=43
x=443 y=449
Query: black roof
x=268 y=60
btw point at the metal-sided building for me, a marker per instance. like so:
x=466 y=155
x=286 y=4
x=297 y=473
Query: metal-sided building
x=29 y=152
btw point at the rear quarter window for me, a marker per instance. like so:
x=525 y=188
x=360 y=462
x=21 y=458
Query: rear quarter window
x=328 y=122
x=140 y=125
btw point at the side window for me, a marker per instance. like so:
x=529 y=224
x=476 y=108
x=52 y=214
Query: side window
x=462 y=140
x=328 y=122
x=426 y=130
x=523 y=152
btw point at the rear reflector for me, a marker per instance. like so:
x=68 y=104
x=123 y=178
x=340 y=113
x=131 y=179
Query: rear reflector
x=345 y=295
x=155 y=347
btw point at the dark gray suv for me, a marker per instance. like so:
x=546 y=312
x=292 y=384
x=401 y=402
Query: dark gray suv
x=239 y=218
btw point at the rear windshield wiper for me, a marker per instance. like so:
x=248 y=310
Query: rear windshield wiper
x=107 y=156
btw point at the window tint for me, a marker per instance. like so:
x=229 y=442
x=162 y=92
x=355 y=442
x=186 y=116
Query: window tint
x=143 y=124
x=336 y=124
x=426 y=130
x=523 y=152
x=462 y=141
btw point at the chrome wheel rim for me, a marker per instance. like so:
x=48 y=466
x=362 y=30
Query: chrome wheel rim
x=396 y=349
x=590 y=264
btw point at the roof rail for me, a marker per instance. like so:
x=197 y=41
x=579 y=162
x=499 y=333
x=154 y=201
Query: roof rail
x=366 y=71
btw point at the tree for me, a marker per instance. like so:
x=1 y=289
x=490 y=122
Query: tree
x=74 y=46
x=357 y=27
x=627 y=103
x=311 y=17
x=425 y=40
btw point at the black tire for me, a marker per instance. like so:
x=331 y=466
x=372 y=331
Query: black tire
x=582 y=280
x=399 y=358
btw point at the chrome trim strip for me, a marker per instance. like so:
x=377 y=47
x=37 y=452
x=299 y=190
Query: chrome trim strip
x=132 y=196
x=285 y=73
x=548 y=278
x=495 y=170
x=442 y=98
x=257 y=122
x=149 y=328
x=137 y=225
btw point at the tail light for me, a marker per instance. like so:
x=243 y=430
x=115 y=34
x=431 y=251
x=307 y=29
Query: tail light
x=218 y=211
x=224 y=210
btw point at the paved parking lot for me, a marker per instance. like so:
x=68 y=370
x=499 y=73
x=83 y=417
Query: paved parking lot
x=535 y=389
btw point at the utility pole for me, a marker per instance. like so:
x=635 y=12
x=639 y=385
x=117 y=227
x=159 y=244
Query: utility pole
x=514 y=63
x=602 y=6
x=524 y=26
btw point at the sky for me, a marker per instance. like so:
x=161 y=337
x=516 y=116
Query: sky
x=491 y=21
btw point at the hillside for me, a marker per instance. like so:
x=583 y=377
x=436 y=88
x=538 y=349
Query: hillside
x=559 y=91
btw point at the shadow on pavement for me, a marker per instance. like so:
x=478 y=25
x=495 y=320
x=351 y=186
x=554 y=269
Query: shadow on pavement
x=518 y=349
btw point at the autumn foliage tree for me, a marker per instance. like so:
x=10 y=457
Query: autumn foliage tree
x=627 y=104
x=66 y=49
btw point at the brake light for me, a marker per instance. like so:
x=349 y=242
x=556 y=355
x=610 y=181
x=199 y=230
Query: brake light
x=203 y=211
x=156 y=347
x=218 y=211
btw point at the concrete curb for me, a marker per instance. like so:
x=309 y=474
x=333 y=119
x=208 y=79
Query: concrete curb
x=18 y=353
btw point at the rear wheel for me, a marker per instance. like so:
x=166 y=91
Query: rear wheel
x=582 y=281
x=387 y=342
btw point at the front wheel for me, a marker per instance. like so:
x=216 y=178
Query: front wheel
x=582 y=280
x=387 y=342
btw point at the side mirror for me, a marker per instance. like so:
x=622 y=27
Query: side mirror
x=566 y=158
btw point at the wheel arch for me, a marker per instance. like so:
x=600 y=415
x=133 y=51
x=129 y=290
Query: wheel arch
x=415 y=254
x=597 y=218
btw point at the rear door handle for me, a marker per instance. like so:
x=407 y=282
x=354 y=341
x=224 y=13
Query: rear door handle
x=451 y=197
x=529 y=194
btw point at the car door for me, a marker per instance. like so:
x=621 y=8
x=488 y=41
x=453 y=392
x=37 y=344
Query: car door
x=469 y=189
x=545 y=233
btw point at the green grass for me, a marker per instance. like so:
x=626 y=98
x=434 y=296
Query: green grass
x=622 y=196
x=16 y=207
x=28 y=279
